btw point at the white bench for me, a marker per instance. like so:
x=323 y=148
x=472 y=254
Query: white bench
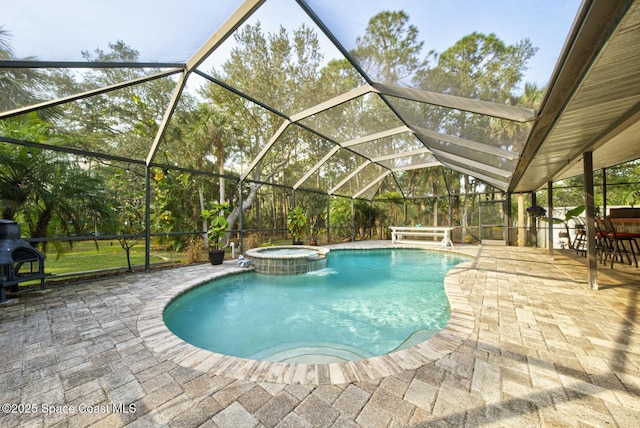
x=399 y=234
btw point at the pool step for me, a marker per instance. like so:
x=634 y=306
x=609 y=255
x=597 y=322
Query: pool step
x=416 y=337
x=311 y=352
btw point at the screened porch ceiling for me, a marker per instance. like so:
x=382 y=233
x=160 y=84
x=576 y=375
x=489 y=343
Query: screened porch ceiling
x=377 y=131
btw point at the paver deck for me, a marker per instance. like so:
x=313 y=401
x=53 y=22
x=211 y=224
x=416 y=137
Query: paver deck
x=539 y=348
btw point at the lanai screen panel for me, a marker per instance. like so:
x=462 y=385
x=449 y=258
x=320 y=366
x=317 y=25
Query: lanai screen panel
x=223 y=118
x=465 y=135
x=472 y=150
x=360 y=180
x=292 y=154
x=378 y=188
x=108 y=123
x=440 y=25
x=277 y=57
x=422 y=160
x=159 y=31
x=333 y=171
x=420 y=183
x=493 y=132
x=379 y=148
x=475 y=50
x=362 y=116
x=37 y=86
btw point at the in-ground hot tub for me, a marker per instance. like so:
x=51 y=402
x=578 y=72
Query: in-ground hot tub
x=288 y=259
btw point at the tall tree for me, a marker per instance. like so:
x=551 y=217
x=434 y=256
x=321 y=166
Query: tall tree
x=122 y=122
x=478 y=66
x=19 y=165
x=389 y=51
x=18 y=86
x=512 y=135
x=281 y=70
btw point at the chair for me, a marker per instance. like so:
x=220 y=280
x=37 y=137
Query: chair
x=603 y=243
x=580 y=240
x=618 y=240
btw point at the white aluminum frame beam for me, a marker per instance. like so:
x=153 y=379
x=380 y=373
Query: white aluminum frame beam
x=265 y=149
x=443 y=157
x=87 y=94
x=467 y=144
x=370 y=185
x=340 y=99
x=489 y=180
x=401 y=155
x=418 y=166
x=177 y=91
x=350 y=176
x=376 y=136
x=244 y=11
x=316 y=167
x=503 y=111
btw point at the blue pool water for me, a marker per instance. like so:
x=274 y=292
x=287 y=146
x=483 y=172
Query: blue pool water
x=366 y=303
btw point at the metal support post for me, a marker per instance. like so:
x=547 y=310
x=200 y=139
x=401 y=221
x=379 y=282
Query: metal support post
x=240 y=221
x=328 y=219
x=592 y=266
x=147 y=219
x=550 y=217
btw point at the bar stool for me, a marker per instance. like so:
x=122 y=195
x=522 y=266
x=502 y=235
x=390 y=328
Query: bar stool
x=603 y=243
x=618 y=239
x=580 y=240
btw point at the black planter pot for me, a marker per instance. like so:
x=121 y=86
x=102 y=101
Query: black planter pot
x=216 y=257
x=298 y=243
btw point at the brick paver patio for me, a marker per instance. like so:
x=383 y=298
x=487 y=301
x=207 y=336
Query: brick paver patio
x=539 y=349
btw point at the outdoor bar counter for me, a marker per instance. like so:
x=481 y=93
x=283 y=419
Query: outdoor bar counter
x=625 y=219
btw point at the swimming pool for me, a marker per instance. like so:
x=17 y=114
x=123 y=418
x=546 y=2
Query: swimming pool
x=366 y=303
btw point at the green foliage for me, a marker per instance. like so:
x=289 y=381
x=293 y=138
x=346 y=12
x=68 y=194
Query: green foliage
x=479 y=66
x=296 y=222
x=218 y=224
x=339 y=212
x=394 y=197
x=173 y=205
x=389 y=50
x=568 y=216
x=366 y=213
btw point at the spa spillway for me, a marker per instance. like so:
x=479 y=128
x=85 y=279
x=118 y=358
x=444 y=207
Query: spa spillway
x=288 y=259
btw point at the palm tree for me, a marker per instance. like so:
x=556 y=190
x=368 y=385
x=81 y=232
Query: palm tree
x=17 y=85
x=509 y=132
x=18 y=169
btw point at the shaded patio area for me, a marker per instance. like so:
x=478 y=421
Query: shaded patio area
x=543 y=350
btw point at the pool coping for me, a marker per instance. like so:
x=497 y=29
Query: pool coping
x=158 y=338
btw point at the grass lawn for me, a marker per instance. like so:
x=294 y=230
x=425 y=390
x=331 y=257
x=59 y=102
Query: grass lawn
x=84 y=256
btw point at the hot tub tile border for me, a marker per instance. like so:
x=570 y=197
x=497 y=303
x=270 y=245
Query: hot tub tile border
x=158 y=338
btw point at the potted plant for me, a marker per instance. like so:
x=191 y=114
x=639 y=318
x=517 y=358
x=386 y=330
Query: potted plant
x=535 y=212
x=218 y=226
x=296 y=222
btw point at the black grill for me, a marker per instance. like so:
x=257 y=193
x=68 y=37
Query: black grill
x=19 y=261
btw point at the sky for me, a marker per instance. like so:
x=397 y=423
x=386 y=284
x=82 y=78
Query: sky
x=171 y=31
